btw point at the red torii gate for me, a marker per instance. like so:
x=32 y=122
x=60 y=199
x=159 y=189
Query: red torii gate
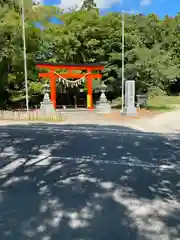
x=52 y=75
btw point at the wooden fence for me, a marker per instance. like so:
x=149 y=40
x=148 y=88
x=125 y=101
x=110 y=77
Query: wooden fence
x=34 y=115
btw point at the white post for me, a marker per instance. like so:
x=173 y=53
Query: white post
x=122 y=69
x=25 y=57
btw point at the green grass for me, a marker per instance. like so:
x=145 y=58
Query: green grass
x=160 y=108
x=159 y=103
x=164 y=101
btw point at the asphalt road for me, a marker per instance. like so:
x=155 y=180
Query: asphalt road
x=88 y=182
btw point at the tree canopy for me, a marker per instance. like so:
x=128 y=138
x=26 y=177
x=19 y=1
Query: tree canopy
x=152 y=47
x=88 y=5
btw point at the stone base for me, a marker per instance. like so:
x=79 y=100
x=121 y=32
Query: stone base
x=103 y=108
x=47 y=109
x=129 y=112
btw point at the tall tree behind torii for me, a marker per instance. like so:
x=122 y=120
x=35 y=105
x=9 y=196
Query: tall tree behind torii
x=16 y=3
x=88 y=4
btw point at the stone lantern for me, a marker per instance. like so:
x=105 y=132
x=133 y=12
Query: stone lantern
x=46 y=107
x=103 y=105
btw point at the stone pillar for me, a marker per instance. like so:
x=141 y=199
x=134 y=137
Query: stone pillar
x=130 y=109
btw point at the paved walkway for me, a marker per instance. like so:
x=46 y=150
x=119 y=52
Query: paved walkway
x=95 y=183
x=164 y=123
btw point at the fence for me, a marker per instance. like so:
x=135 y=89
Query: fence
x=34 y=115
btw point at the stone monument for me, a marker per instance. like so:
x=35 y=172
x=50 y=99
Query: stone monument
x=103 y=106
x=46 y=107
x=130 y=109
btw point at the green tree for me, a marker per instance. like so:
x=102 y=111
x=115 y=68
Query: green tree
x=88 y=5
x=151 y=46
x=152 y=68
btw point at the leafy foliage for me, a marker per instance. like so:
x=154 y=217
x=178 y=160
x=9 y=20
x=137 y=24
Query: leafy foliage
x=152 y=46
x=88 y=5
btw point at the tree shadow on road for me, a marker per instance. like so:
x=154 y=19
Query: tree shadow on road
x=88 y=182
